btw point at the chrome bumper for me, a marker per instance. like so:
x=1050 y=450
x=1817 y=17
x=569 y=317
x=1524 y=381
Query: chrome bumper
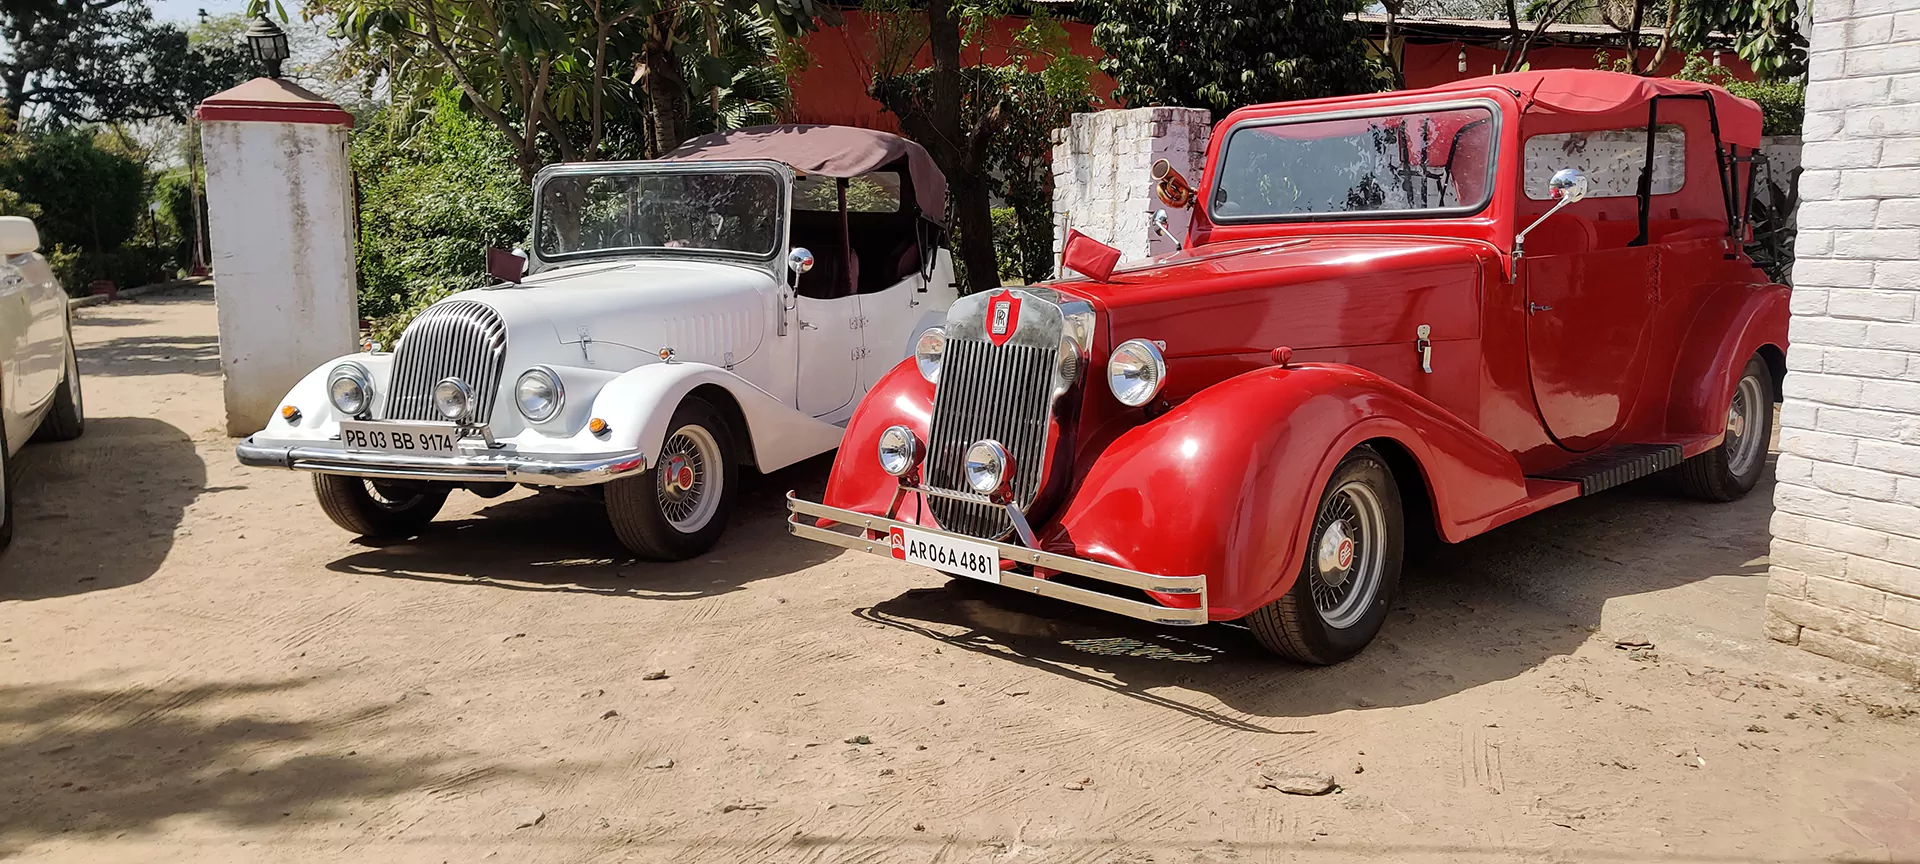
x=479 y=468
x=802 y=515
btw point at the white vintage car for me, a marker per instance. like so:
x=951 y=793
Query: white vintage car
x=679 y=319
x=39 y=377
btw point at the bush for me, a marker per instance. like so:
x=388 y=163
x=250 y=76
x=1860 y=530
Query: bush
x=1006 y=245
x=173 y=192
x=433 y=199
x=88 y=198
x=126 y=267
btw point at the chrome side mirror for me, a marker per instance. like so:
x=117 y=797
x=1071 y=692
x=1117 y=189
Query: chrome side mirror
x=799 y=261
x=1160 y=225
x=1567 y=186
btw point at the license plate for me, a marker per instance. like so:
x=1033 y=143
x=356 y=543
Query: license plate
x=419 y=438
x=959 y=557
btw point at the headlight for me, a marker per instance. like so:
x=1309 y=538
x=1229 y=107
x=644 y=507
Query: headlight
x=988 y=467
x=350 y=388
x=899 y=450
x=538 y=394
x=453 y=399
x=927 y=352
x=1135 y=372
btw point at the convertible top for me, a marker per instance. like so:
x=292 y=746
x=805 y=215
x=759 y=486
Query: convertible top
x=829 y=151
x=1591 y=91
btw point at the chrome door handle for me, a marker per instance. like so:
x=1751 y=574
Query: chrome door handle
x=1537 y=308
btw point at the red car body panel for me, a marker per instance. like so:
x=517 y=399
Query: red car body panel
x=1642 y=344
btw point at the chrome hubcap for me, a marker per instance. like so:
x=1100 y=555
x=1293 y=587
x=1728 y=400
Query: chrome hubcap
x=689 y=479
x=1743 y=441
x=1349 y=555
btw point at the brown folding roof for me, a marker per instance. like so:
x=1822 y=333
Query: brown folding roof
x=829 y=151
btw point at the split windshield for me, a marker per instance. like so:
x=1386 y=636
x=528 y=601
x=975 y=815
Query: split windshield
x=730 y=212
x=1437 y=162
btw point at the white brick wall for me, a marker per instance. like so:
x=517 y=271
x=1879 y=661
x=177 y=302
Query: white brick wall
x=1103 y=180
x=1846 y=530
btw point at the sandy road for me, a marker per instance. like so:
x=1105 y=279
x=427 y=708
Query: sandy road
x=196 y=665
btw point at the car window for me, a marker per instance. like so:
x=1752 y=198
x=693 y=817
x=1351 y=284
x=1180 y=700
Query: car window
x=721 y=211
x=1611 y=158
x=873 y=192
x=1439 y=160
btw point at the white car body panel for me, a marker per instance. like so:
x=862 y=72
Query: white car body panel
x=33 y=337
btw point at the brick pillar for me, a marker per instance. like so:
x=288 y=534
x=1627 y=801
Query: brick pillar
x=1103 y=180
x=1845 y=579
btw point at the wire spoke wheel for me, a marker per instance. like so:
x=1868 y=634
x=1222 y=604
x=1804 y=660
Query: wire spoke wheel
x=689 y=485
x=396 y=499
x=1349 y=555
x=1744 y=441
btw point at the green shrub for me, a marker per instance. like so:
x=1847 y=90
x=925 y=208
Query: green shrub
x=87 y=197
x=1006 y=245
x=173 y=193
x=436 y=191
x=126 y=267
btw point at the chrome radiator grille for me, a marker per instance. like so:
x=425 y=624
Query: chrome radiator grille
x=461 y=339
x=1004 y=393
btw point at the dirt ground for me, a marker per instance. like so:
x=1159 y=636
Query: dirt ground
x=196 y=665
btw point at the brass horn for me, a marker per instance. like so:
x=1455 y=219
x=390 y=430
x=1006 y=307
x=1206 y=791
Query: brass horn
x=1171 y=187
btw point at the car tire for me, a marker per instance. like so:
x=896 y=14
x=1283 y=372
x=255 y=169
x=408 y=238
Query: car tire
x=679 y=507
x=67 y=419
x=6 y=491
x=374 y=509
x=1729 y=471
x=1351 y=570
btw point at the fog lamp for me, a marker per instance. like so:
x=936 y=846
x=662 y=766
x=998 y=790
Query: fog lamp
x=988 y=467
x=899 y=450
x=453 y=399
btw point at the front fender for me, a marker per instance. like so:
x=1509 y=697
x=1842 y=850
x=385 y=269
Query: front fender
x=1226 y=484
x=902 y=397
x=1734 y=323
x=639 y=404
x=319 y=421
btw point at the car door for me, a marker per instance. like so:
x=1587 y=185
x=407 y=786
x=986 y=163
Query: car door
x=16 y=346
x=895 y=317
x=1589 y=315
x=830 y=349
x=47 y=331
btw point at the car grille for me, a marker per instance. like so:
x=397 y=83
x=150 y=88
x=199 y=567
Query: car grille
x=460 y=339
x=1000 y=392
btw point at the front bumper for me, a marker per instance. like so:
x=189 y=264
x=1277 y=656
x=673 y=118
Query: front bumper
x=470 y=468
x=863 y=523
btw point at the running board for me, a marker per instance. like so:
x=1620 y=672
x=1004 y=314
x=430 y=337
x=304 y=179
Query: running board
x=1613 y=466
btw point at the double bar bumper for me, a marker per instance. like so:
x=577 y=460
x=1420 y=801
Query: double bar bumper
x=475 y=468
x=803 y=514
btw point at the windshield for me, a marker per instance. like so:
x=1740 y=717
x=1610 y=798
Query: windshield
x=1420 y=162
x=734 y=211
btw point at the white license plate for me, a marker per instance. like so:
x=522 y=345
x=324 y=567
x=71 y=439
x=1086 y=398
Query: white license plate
x=430 y=439
x=959 y=557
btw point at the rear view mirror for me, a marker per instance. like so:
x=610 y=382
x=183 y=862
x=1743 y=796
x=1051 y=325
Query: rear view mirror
x=1568 y=185
x=18 y=236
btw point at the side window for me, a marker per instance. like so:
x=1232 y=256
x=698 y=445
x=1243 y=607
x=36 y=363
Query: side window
x=873 y=192
x=1611 y=158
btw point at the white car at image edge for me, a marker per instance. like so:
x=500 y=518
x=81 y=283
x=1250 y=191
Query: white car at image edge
x=39 y=375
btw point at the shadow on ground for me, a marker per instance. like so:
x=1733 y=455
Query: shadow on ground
x=1481 y=611
x=101 y=762
x=100 y=512
x=560 y=541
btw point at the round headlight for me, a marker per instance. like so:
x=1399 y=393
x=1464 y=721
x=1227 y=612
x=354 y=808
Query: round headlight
x=1135 y=372
x=988 y=467
x=899 y=450
x=453 y=399
x=350 y=388
x=538 y=394
x=927 y=352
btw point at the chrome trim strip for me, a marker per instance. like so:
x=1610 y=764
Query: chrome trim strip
x=585 y=471
x=1154 y=612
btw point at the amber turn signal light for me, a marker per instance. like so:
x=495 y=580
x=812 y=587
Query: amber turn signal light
x=289 y=413
x=597 y=426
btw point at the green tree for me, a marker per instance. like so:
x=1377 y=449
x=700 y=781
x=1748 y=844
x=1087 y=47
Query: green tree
x=105 y=61
x=89 y=197
x=1223 y=54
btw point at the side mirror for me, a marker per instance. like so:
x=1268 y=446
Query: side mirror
x=1567 y=186
x=18 y=236
x=1171 y=187
x=799 y=261
x=1160 y=220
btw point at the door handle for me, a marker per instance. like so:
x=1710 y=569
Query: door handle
x=1424 y=345
x=1537 y=308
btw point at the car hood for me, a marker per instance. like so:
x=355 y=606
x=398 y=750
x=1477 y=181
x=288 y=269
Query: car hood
x=620 y=313
x=1302 y=292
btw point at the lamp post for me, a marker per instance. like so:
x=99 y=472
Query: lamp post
x=268 y=42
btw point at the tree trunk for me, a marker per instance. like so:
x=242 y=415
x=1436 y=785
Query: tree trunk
x=972 y=204
x=666 y=98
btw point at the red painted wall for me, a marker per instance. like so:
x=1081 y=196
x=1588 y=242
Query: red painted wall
x=1439 y=63
x=833 y=87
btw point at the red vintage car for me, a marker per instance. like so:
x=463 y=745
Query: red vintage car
x=1403 y=314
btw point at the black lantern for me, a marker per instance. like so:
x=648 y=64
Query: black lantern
x=269 y=43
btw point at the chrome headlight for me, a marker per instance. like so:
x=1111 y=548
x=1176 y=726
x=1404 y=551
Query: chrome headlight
x=1136 y=371
x=350 y=388
x=988 y=467
x=927 y=352
x=453 y=399
x=538 y=394
x=899 y=450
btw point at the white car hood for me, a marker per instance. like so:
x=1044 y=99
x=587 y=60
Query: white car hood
x=707 y=312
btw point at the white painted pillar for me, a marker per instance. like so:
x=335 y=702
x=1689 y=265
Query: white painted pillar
x=281 y=221
x=1103 y=175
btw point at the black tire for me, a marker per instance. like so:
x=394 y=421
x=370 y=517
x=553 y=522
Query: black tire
x=1361 y=504
x=67 y=419
x=1729 y=471
x=670 y=513
x=379 y=509
x=6 y=492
